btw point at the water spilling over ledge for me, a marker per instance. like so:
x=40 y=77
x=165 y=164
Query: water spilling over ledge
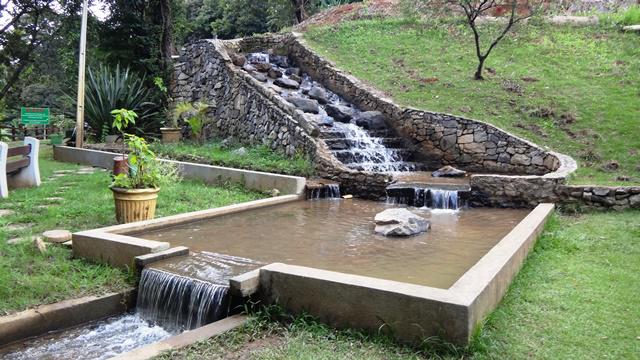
x=180 y=303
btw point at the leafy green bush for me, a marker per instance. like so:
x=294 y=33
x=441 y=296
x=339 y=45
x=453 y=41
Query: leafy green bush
x=145 y=171
x=631 y=16
x=117 y=88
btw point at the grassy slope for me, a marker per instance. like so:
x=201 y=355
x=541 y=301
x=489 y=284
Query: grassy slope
x=575 y=298
x=259 y=158
x=590 y=73
x=29 y=278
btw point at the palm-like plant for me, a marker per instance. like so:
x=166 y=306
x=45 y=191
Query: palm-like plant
x=117 y=88
x=196 y=118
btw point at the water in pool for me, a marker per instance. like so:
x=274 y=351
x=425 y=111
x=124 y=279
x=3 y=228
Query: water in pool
x=338 y=235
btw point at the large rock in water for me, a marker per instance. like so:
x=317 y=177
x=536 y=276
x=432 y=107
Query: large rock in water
x=319 y=94
x=306 y=105
x=339 y=113
x=287 y=83
x=400 y=222
x=371 y=120
x=448 y=171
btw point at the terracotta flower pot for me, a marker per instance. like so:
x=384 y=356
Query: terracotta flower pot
x=171 y=135
x=120 y=165
x=135 y=204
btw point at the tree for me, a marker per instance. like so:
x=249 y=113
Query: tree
x=515 y=10
x=25 y=24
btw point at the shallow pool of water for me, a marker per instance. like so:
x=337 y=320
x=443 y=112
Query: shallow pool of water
x=338 y=235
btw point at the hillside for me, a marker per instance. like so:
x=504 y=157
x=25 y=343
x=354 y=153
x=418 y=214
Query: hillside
x=572 y=89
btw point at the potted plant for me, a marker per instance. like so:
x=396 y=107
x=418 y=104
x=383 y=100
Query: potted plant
x=172 y=133
x=135 y=192
x=196 y=118
x=121 y=120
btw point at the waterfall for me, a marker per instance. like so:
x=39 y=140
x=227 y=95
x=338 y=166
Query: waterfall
x=425 y=197
x=180 y=303
x=326 y=191
x=444 y=199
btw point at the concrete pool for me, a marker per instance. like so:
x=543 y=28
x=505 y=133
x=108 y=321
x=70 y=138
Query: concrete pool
x=321 y=257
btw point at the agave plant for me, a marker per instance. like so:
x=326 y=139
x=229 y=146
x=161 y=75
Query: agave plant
x=117 y=88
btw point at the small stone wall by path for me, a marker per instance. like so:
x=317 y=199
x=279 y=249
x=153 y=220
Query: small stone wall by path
x=524 y=173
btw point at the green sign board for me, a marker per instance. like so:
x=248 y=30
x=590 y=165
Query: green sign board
x=34 y=116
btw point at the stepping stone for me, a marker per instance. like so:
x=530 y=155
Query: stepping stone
x=68 y=244
x=42 y=207
x=19 y=240
x=6 y=212
x=17 y=227
x=59 y=175
x=62 y=171
x=54 y=199
x=57 y=236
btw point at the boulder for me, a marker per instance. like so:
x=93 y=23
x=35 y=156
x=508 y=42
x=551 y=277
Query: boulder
x=287 y=83
x=295 y=78
x=238 y=59
x=263 y=67
x=240 y=151
x=371 y=120
x=279 y=60
x=325 y=121
x=293 y=71
x=319 y=94
x=248 y=68
x=448 y=171
x=306 y=105
x=339 y=112
x=259 y=76
x=400 y=222
x=274 y=73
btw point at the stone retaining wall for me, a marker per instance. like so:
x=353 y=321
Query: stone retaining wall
x=246 y=110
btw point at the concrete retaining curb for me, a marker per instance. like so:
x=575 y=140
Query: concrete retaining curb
x=62 y=315
x=254 y=180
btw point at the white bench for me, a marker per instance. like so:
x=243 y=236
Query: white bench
x=19 y=166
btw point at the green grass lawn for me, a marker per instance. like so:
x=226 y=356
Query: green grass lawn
x=259 y=158
x=575 y=298
x=29 y=278
x=573 y=89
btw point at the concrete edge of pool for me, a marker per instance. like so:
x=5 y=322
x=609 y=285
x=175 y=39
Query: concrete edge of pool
x=411 y=312
x=113 y=245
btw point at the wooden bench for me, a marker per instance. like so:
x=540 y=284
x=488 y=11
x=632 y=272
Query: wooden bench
x=19 y=166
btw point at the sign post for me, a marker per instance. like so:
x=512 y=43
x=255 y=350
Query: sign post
x=34 y=116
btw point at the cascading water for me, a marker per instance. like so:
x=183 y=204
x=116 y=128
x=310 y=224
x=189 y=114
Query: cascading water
x=360 y=140
x=326 y=191
x=444 y=199
x=180 y=303
x=425 y=197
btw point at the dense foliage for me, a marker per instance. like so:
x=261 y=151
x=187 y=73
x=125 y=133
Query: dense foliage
x=39 y=42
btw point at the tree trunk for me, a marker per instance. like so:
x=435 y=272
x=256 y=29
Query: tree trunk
x=166 y=45
x=478 y=74
x=300 y=12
